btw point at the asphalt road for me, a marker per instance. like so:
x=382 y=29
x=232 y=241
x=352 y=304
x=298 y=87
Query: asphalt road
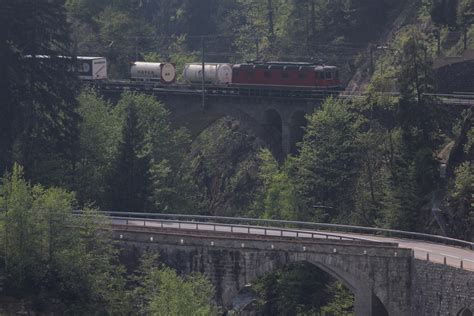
x=436 y=252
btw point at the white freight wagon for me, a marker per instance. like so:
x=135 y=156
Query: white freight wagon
x=214 y=73
x=145 y=71
x=92 y=68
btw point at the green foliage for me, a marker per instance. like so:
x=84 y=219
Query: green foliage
x=304 y=28
x=224 y=166
x=413 y=168
x=276 y=198
x=130 y=180
x=160 y=291
x=302 y=289
x=416 y=74
x=342 y=302
x=38 y=125
x=51 y=255
x=171 y=29
x=444 y=12
x=462 y=201
x=176 y=54
x=328 y=160
x=148 y=173
x=45 y=261
x=469 y=146
x=452 y=13
x=98 y=141
x=465 y=9
x=403 y=199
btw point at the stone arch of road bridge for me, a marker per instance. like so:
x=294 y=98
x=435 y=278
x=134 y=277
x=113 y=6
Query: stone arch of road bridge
x=366 y=301
x=379 y=278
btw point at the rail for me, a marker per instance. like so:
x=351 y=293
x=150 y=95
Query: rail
x=294 y=225
x=299 y=93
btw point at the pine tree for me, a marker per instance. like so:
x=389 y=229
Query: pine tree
x=37 y=86
x=328 y=161
x=416 y=116
x=130 y=179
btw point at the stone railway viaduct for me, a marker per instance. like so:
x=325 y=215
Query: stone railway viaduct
x=385 y=279
x=278 y=121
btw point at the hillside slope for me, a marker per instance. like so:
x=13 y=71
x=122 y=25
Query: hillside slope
x=363 y=74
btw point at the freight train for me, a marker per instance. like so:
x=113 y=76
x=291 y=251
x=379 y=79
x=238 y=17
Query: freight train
x=259 y=75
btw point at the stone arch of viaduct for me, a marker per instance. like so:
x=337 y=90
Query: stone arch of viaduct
x=278 y=122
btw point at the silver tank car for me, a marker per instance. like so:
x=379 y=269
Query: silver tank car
x=145 y=71
x=214 y=73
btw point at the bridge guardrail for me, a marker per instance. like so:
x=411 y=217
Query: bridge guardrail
x=297 y=224
x=236 y=228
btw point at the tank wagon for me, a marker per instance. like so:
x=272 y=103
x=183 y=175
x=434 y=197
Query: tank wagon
x=155 y=72
x=214 y=73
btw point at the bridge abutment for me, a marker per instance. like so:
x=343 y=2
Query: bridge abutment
x=439 y=289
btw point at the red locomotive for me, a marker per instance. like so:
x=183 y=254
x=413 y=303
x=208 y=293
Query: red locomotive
x=286 y=74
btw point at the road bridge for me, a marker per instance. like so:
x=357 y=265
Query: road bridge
x=389 y=272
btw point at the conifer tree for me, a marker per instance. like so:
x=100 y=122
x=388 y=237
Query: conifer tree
x=37 y=86
x=130 y=179
x=327 y=164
